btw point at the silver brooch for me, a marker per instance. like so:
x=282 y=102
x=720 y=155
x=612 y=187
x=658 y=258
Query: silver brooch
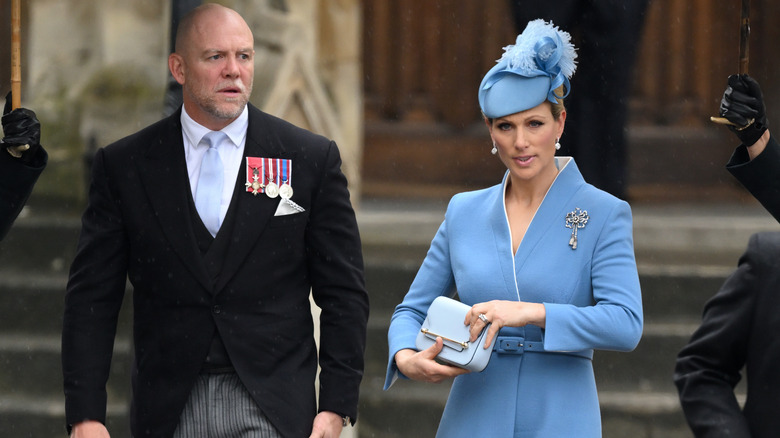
x=576 y=220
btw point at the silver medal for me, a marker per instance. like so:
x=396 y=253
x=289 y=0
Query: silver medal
x=272 y=189
x=286 y=191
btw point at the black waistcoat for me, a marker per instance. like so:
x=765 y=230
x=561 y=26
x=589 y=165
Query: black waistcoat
x=213 y=250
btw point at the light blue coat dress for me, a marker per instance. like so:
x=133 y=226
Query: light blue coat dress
x=591 y=296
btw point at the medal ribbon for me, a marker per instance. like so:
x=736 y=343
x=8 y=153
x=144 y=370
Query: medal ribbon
x=280 y=171
x=252 y=164
x=271 y=170
x=270 y=174
x=286 y=171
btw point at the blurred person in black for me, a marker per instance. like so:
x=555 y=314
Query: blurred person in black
x=19 y=169
x=739 y=323
x=738 y=331
x=606 y=33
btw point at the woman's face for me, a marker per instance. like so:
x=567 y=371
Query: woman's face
x=526 y=141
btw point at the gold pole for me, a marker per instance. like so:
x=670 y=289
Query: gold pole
x=16 y=68
x=16 y=55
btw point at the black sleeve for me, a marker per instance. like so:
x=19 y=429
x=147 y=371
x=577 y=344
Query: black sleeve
x=16 y=184
x=761 y=176
x=709 y=366
x=336 y=267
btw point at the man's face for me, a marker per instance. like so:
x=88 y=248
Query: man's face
x=216 y=69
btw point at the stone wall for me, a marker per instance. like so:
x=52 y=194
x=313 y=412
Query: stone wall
x=97 y=71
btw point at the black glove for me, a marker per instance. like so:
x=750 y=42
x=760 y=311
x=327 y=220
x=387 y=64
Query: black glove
x=743 y=101
x=20 y=127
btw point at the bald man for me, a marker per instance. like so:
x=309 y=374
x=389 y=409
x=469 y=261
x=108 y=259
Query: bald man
x=224 y=219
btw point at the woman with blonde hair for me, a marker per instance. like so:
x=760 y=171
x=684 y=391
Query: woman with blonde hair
x=544 y=258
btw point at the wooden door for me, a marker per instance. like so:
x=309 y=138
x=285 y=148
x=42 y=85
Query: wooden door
x=423 y=61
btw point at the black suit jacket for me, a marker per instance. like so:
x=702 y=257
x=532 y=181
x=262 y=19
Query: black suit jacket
x=760 y=176
x=138 y=226
x=739 y=329
x=16 y=183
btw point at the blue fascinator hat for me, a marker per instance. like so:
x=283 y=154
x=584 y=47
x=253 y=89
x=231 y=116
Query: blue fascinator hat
x=529 y=72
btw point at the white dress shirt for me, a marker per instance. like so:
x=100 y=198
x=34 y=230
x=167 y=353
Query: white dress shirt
x=231 y=153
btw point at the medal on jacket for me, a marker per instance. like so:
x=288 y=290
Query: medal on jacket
x=254 y=169
x=272 y=176
x=576 y=220
x=271 y=188
x=285 y=190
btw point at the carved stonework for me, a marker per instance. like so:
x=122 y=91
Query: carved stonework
x=307 y=72
x=86 y=60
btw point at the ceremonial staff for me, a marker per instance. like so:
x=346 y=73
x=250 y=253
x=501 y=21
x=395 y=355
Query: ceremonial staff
x=16 y=67
x=744 y=56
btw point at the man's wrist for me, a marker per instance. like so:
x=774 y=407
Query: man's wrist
x=345 y=419
x=756 y=148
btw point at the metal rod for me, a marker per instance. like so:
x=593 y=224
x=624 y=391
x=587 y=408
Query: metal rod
x=16 y=56
x=428 y=332
x=744 y=54
x=744 y=38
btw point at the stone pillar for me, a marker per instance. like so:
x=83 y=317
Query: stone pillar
x=339 y=63
x=307 y=69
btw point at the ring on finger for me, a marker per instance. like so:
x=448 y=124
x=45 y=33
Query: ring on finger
x=483 y=318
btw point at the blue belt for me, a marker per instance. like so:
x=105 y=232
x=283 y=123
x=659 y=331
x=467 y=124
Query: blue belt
x=520 y=345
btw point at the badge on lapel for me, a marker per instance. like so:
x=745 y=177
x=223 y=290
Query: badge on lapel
x=272 y=176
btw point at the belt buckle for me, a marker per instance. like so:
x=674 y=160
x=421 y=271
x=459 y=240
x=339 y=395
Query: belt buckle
x=510 y=345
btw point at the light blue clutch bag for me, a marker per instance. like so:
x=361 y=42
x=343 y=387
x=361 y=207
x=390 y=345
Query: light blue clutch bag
x=445 y=320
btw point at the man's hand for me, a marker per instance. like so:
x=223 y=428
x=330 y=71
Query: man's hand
x=89 y=429
x=742 y=103
x=20 y=127
x=326 y=425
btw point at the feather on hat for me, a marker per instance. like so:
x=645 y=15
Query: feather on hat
x=541 y=60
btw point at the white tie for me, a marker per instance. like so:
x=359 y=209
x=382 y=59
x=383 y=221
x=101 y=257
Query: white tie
x=208 y=195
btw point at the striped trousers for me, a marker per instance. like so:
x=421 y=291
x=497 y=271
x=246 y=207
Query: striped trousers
x=220 y=406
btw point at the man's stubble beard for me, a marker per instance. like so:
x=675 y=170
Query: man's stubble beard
x=216 y=109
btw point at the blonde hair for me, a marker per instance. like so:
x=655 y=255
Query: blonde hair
x=557 y=108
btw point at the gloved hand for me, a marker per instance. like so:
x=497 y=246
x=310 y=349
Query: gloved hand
x=742 y=102
x=20 y=127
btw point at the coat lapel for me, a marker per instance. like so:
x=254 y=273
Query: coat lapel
x=163 y=170
x=249 y=213
x=551 y=212
x=503 y=239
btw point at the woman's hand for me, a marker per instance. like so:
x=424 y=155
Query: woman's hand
x=420 y=365
x=503 y=314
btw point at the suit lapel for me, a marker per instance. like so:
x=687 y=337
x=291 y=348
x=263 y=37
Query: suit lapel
x=163 y=170
x=249 y=213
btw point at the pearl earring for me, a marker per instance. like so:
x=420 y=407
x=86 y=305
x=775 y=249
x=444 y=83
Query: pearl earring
x=557 y=144
x=494 y=150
